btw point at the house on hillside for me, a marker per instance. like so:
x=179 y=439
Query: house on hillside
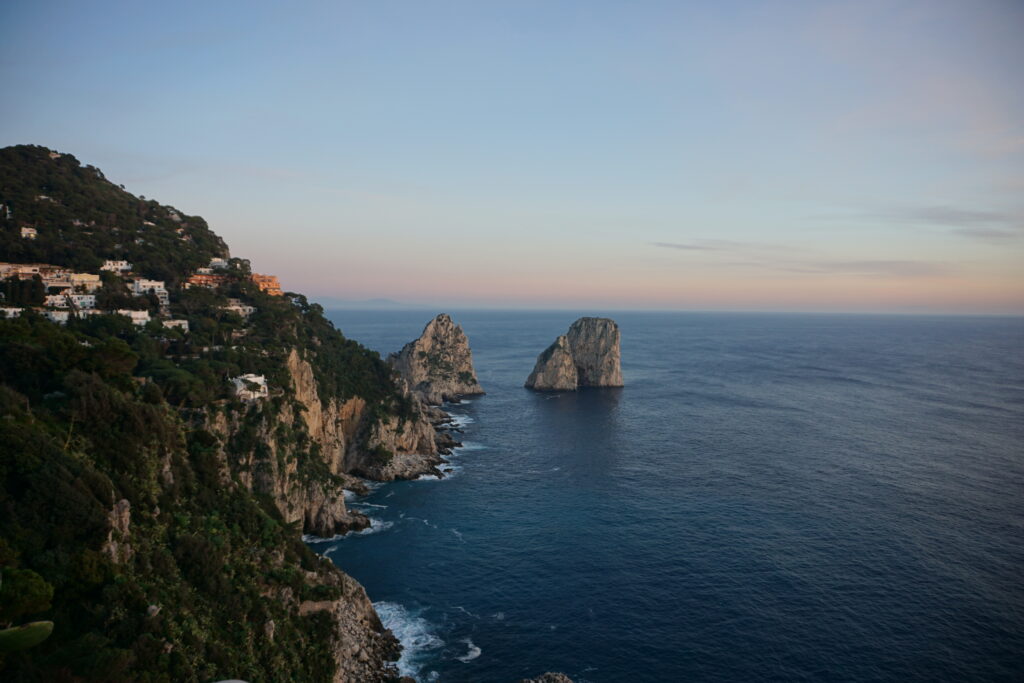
x=88 y=282
x=206 y=280
x=250 y=387
x=137 y=317
x=116 y=266
x=141 y=287
x=29 y=233
x=268 y=284
x=59 y=317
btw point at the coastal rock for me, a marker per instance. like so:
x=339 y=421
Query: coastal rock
x=344 y=435
x=555 y=369
x=549 y=677
x=438 y=366
x=361 y=647
x=589 y=355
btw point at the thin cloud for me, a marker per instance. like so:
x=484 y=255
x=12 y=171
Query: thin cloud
x=721 y=245
x=898 y=268
x=684 y=247
x=980 y=224
x=888 y=268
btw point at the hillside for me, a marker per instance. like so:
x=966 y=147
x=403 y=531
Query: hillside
x=152 y=491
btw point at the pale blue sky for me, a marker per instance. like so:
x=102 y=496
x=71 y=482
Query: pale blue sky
x=848 y=156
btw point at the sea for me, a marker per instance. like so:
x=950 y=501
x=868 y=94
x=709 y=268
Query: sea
x=769 y=498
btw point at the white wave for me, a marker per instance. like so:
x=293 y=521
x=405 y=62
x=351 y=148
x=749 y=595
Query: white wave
x=375 y=526
x=427 y=477
x=469 y=446
x=369 y=505
x=472 y=652
x=460 y=421
x=458 y=534
x=499 y=616
x=414 y=632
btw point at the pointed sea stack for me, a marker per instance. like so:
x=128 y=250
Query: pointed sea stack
x=439 y=365
x=588 y=356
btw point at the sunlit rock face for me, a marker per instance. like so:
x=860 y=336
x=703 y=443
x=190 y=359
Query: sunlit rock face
x=438 y=366
x=589 y=355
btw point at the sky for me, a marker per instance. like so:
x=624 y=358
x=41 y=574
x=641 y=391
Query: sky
x=863 y=156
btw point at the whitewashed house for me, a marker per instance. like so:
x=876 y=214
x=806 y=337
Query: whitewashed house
x=219 y=263
x=236 y=306
x=137 y=317
x=116 y=266
x=141 y=287
x=59 y=317
x=56 y=300
x=10 y=312
x=250 y=387
x=82 y=300
x=88 y=282
x=29 y=233
x=177 y=324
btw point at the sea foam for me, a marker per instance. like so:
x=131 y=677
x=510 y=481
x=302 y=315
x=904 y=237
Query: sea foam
x=414 y=632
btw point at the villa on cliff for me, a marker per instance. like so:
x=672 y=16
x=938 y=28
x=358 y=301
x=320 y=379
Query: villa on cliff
x=250 y=387
x=268 y=284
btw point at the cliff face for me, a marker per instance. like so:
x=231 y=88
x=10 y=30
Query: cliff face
x=588 y=356
x=438 y=366
x=555 y=369
x=263 y=449
x=175 y=505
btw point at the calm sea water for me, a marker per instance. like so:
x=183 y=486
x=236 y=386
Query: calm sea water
x=769 y=498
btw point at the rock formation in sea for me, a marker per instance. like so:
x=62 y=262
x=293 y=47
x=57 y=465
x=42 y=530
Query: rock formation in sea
x=549 y=677
x=589 y=355
x=438 y=366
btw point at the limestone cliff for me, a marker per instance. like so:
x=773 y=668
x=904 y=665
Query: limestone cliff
x=555 y=369
x=589 y=355
x=438 y=366
x=275 y=444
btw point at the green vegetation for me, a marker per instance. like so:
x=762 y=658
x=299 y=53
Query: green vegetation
x=102 y=411
x=83 y=219
x=26 y=636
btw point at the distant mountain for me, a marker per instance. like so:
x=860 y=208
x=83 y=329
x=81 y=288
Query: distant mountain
x=366 y=304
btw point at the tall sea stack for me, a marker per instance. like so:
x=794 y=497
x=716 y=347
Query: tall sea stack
x=438 y=366
x=589 y=355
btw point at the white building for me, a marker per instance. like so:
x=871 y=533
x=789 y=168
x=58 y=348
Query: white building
x=219 y=263
x=56 y=300
x=29 y=233
x=59 y=317
x=138 y=317
x=90 y=282
x=236 y=306
x=179 y=324
x=250 y=387
x=82 y=300
x=117 y=266
x=10 y=312
x=141 y=287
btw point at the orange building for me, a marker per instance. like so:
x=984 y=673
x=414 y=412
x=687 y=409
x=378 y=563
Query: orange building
x=206 y=280
x=268 y=284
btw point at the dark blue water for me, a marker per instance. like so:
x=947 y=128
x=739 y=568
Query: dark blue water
x=769 y=498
